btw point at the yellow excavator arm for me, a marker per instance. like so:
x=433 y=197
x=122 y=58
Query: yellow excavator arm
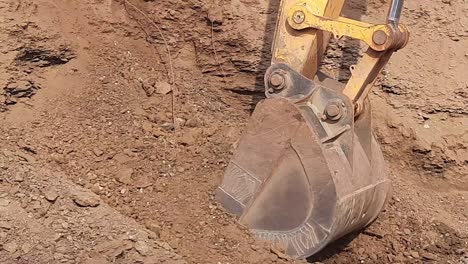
x=308 y=170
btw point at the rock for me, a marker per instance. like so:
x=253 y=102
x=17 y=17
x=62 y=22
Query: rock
x=153 y=227
x=147 y=126
x=25 y=156
x=142 y=248
x=193 y=122
x=18 y=177
x=422 y=146
x=124 y=175
x=163 y=88
x=96 y=188
x=414 y=254
x=399 y=258
x=174 y=243
x=361 y=251
x=10 y=247
x=215 y=14
x=429 y=256
x=6 y=225
x=406 y=231
x=279 y=253
x=62 y=250
x=373 y=257
x=113 y=248
x=26 y=247
x=83 y=199
x=21 y=89
x=167 y=126
x=122 y=158
x=58 y=256
x=50 y=195
x=188 y=138
x=4 y=202
x=148 y=87
x=98 y=152
x=143 y=181
x=180 y=122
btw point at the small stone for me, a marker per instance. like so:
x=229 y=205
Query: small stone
x=142 y=248
x=83 y=199
x=399 y=258
x=193 y=122
x=158 y=133
x=26 y=247
x=255 y=247
x=62 y=250
x=180 y=122
x=429 y=256
x=57 y=237
x=153 y=227
x=58 y=256
x=361 y=251
x=51 y=195
x=6 y=225
x=174 y=243
x=414 y=254
x=124 y=175
x=406 y=231
x=187 y=139
x=25 y=157
x=98 y=152
x=4 y=202
x=163 y=88
x=167 y=126
x=279 y=253
x=143 y=181
x=96 y=188
x=373 y=256
x=122 y=158
x=215 y=15
x=147 y=126
x=10 y=247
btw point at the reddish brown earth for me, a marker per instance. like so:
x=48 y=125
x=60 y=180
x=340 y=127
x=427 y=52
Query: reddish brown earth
x=92 y=169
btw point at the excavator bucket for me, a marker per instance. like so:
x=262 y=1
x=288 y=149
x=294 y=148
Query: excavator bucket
x=308 y=169
x=301 y=180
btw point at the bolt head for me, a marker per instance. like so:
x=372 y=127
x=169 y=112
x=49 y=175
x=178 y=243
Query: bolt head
x=333 y=110
x=379 y=37
x=299 y=17
x=277 y=80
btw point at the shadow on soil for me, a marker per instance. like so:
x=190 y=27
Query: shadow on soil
x=333 y=249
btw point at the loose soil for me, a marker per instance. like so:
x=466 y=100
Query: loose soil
x=118 y=119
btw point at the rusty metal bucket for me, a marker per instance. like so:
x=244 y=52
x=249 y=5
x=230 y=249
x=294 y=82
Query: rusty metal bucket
x=306 y=172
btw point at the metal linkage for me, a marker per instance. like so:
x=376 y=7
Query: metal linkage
x=382 y=40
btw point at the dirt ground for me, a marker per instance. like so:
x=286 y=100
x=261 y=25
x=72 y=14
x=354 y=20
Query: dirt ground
x=93 y=170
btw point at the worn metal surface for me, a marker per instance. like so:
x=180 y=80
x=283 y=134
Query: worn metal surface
x=303 y=50
x=300 y=179
x=382 y=40
x=308 y=169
